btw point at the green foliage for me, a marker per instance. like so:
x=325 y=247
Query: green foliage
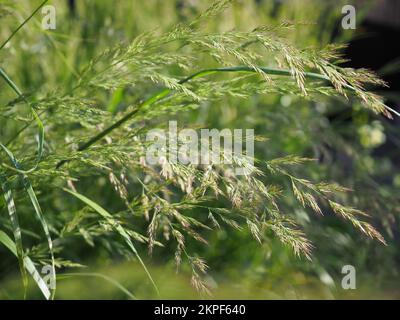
x=97 y=102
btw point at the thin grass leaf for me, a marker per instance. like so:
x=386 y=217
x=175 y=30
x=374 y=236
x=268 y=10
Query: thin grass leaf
x=109 y=218
x=28 y=265
x=22 y=24
x=101 y=276
x=39 y=123
x=39 y=214
x=12 y=211
x=115 y=100
x=45 y=227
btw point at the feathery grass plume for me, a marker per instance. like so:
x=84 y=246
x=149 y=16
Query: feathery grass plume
x=322 y=190
x=93 y=142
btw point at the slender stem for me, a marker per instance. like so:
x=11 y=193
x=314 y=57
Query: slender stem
x=98 y=275
x=11 y=83
x=165 y=92
x=22 y=24
x=36 y=118
x=5 y=76
x=15 y=136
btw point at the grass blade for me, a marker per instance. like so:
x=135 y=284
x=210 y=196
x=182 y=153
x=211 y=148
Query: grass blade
x=115 y=100
x=39 y=123
x=45 y=227
x=101 y=276
x=12 y=211
x=28 y=264
x=39 y=214
x=22 y=24
x=106 y=215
